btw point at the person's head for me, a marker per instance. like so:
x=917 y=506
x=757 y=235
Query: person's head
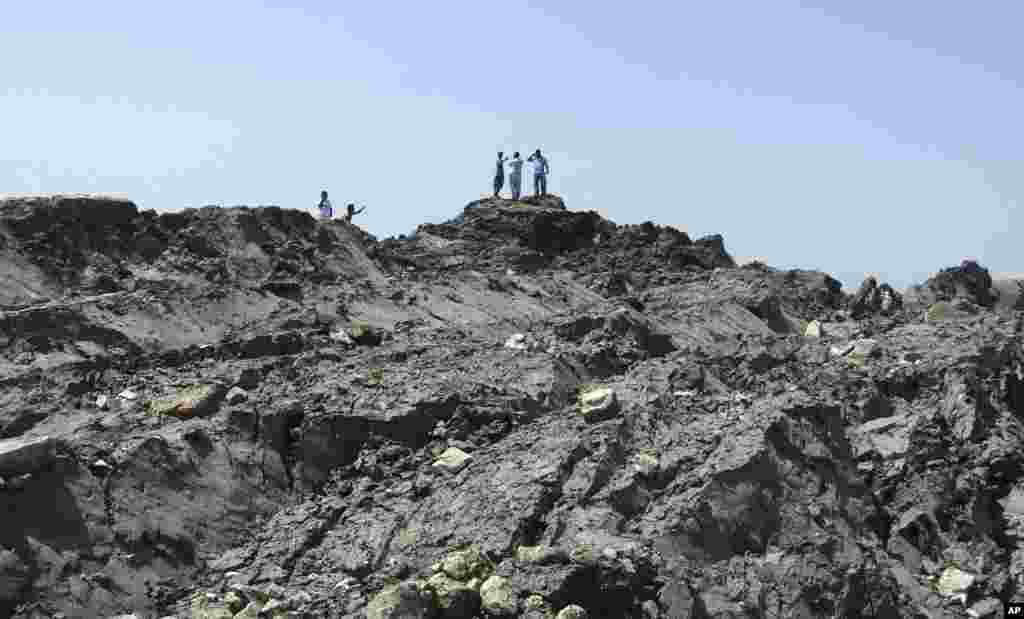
x=323 y=195
x=537 y=152
x=500 y=153
x=516 y=156
x=351 y=206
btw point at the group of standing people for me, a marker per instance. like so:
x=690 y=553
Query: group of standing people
x=539 y=164
x=327 y=211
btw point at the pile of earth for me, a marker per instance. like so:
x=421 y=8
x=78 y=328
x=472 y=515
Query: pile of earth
x=525 y=412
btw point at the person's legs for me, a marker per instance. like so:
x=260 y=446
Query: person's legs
x=499 y=181
x=536 y=184
x=513 y=184
x=543 y=184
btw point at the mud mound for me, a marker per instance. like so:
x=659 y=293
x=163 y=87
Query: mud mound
x=524 y=412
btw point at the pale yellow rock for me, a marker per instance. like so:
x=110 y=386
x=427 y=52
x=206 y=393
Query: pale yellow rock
x=251 y=611
x=813 y=329
x=465 y=564
x=597 y=403
x=497 y=597
x=572 y=611
x=453 y=459
x=954 y=581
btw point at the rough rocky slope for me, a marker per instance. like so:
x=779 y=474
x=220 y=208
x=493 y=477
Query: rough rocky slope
x=527 y=411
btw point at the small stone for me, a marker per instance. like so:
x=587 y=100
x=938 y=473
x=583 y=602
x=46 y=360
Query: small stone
x=453 y=460
x=572 y=611
x=985 y=608
x=516 y=341
x=274 y=605
x=103 y=402
x=610 y=554
x=813 y=329
x=597 y=403
x=237 y=395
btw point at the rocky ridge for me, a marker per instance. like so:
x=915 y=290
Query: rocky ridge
x=527 y=411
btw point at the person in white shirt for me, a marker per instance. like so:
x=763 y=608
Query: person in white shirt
x=499 y=174
x=326 y=210
x=515 y=177
x=540 y=173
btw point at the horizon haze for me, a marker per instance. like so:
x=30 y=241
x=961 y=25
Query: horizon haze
x=854 y=139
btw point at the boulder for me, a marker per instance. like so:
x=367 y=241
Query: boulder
x=195 y=401
x=597 y=403
x=453 y=460
x=466 y=564
x=954 y=582
x=497 y=597
x=813 y=329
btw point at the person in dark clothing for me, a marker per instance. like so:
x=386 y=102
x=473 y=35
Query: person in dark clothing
x=351 y=211
x=499 y=174
x=326 y=210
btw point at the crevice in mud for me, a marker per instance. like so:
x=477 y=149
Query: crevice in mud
x=312 y=541
x=289 y=444
x=150 y=545
x=531 y=528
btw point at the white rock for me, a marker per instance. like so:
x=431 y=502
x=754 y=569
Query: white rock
x=516 y=341
x=813 y=329
x=102 y=402
x=342 y=337
x=453 y=459
x=841 y=351
x=128 y=394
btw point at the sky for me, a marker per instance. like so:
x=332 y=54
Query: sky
x=853 y=138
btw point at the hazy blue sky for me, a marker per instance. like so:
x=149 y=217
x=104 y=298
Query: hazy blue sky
x=851 y=137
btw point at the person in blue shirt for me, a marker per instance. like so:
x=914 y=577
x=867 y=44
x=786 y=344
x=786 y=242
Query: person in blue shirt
x=540 y=173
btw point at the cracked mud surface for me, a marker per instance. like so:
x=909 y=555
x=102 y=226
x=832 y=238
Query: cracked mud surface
x=250 y=403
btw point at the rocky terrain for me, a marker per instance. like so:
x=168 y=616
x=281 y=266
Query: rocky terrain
x=527 y=411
